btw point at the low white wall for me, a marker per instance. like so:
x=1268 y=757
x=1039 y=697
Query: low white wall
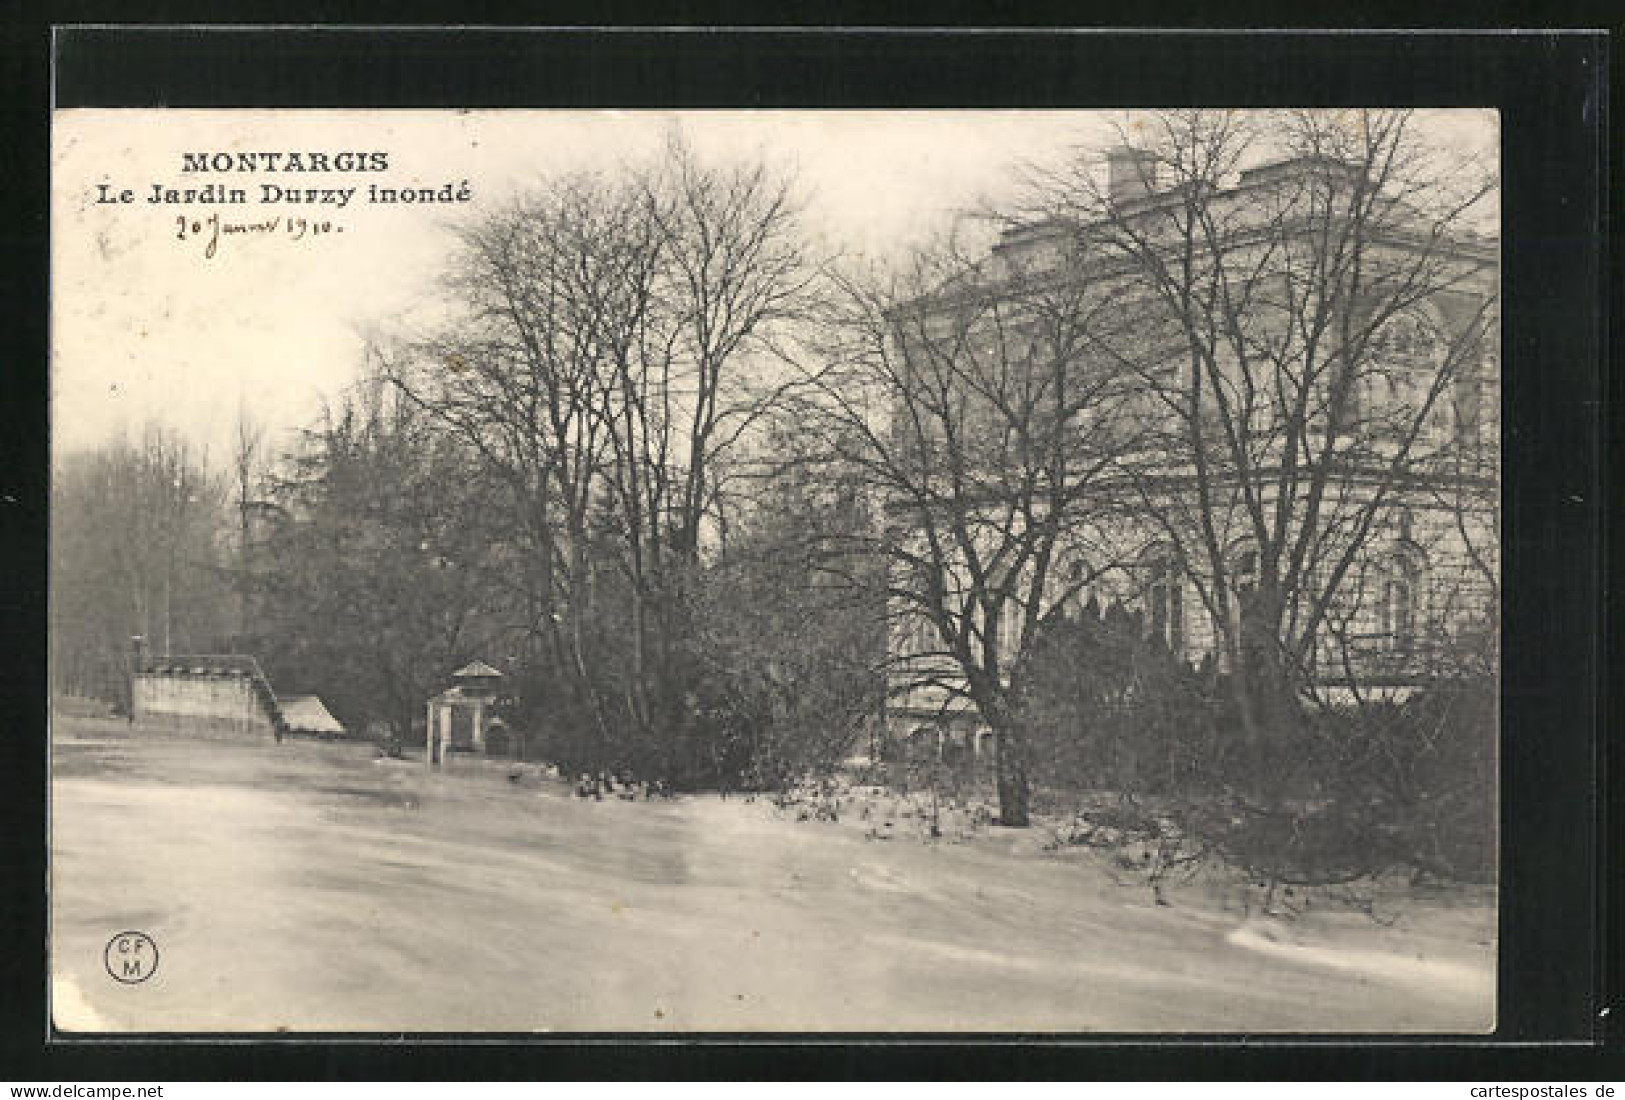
x=214 y=701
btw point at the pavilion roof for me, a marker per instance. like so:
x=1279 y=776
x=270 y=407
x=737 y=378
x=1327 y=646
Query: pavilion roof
x=475 y=669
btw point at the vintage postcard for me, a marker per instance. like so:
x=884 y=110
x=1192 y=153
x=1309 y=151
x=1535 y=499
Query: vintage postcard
x=774 y=571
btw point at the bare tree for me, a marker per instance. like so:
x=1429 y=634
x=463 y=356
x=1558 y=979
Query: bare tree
x=719 y=277
x=974 y=403
x=248 y=467
x=615 y=343
x=136 y=549
x=522 y=374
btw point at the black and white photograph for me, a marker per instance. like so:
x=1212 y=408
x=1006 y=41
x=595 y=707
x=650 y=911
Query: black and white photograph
x=818 y=571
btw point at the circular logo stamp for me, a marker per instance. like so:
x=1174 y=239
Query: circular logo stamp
x=131 y=957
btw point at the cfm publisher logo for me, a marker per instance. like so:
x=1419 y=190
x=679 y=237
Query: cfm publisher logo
x=131 y=957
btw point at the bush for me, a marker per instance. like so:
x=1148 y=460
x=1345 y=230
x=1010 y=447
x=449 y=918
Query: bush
x=1107 y=708
x=1427 y=771
x=1379 y=788
x=1352 y=793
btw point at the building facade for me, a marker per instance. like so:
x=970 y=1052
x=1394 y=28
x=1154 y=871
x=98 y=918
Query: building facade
x=1302 y=418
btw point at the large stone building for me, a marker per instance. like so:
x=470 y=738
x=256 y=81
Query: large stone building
x=1295 y=421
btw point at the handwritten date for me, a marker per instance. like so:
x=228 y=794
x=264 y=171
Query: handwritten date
x=209 y=230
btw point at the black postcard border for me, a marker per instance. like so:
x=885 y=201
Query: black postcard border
x=1552 y=91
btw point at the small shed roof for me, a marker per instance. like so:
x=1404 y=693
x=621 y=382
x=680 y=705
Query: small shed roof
x=307 y=714
x=475 y=669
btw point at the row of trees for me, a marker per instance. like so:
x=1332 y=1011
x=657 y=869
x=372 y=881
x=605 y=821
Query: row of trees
x=135 y=551
x=689 y=483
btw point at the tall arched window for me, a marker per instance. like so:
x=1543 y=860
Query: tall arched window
x=1467 y=404
x=1400 y=599
x=1405 y=356
x=1242 y=565
x=1011 y=615
x=1165 y=597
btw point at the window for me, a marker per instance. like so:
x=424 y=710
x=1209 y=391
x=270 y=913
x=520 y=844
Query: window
x=1010 y=615
x=1399 y=600
x=1466 y=406
x=918 y=635
x=925 y=635
x=1405 y=355
x=1399 y=612
x=1407 y=338
x=1242 y=564
x=1165 y=598
x=1467 y=400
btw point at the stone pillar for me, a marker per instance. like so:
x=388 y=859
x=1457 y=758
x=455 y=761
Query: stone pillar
x=479 y=726
x=429 y=735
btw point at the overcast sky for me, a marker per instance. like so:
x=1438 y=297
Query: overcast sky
x=145 y=328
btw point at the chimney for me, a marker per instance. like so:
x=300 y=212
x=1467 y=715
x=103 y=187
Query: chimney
x=1130 y=173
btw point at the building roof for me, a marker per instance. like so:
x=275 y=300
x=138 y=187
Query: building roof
x=1463 y=242
x=307 y=714
x=204 y=664
x=474 y=669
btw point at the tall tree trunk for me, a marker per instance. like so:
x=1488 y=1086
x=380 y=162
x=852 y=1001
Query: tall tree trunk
x=1010 y=763
x=1011 y=766
x=1264 y=693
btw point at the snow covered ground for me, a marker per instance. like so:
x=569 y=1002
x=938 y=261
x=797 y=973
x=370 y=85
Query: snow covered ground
x=308 y=887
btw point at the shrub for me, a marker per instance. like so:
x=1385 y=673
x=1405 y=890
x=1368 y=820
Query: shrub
x=1352 y=792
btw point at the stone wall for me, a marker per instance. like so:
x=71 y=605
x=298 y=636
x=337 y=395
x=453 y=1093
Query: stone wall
x=220 y=702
